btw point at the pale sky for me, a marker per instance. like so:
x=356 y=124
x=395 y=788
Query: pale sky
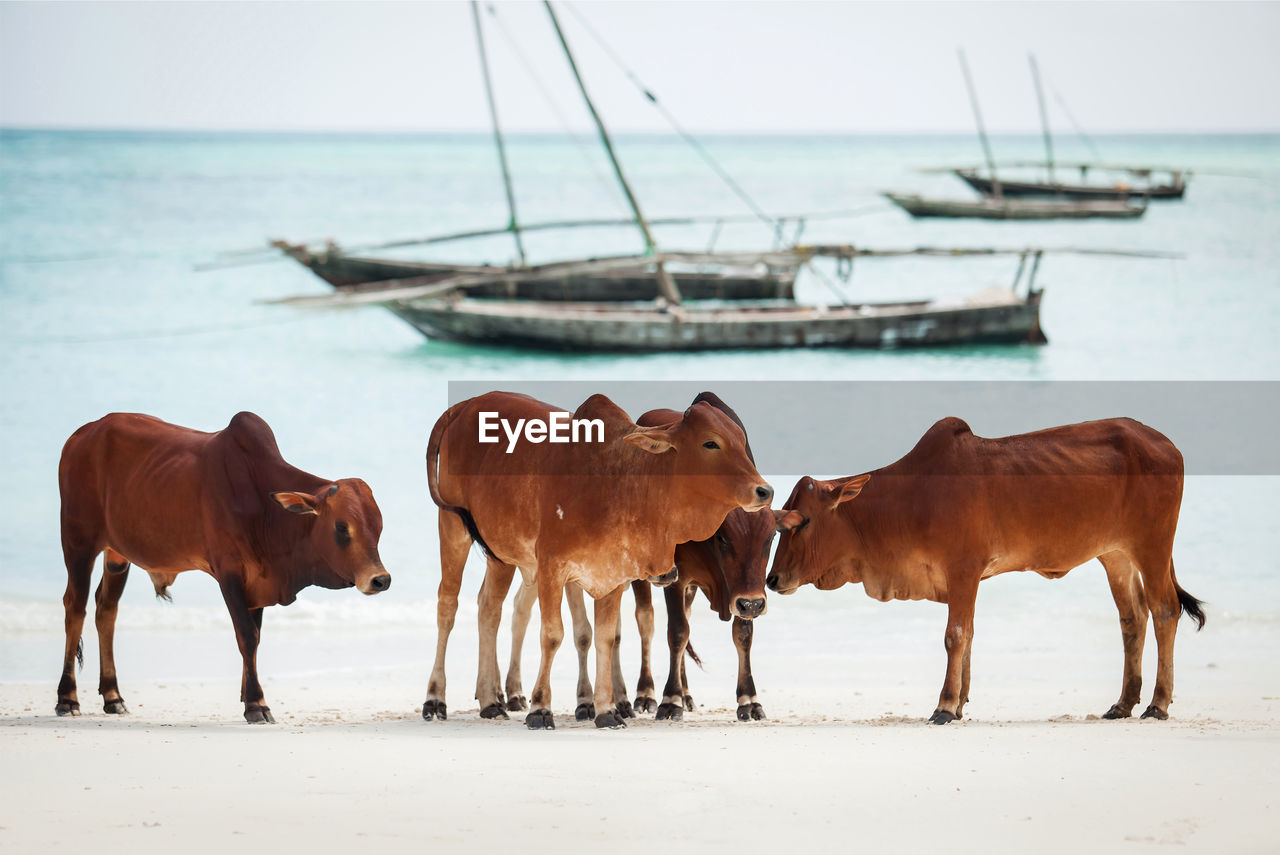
x=718 y=66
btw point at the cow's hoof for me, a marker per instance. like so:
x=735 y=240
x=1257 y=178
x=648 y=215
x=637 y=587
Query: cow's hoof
x=669 y=712
x=1155 y=712
x=115 y=707
x=1118 y=711
x=494 y=710
x=623 y=708
x=67 y=708
x=434 y=709
x=540 y=720
x=645 y=705
x=689 y=704
x=611 y=720
x=259 y=715
x=584 y=712
x=751 y=712
x=517 y=703
x=942 y=717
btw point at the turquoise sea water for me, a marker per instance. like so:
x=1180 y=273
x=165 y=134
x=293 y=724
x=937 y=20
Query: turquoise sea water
x=103 y=310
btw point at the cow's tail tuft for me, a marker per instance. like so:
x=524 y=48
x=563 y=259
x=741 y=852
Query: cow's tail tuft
x=433 y=480
x=1187 y=603
x=693 y=654
x=80 y=652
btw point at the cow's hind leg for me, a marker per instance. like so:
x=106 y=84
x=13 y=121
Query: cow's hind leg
x=685 y=698
x=106 y=603
x=586 y=710
x=1131 y=602
x=454 y=544
x=521 y=610
x=748 y=708
x=607 y=608
x=79 y=561
x=645 y=702
x=672 y=706
x=962 y=595
x=550 y=595
x=621 y=703
x=493 y=591
x=1162 y=599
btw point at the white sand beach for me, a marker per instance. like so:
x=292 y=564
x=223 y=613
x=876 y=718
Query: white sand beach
x=844 y=762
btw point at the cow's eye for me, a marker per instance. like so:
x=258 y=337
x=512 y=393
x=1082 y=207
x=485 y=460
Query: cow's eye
x=711 y=444
x=342 y=533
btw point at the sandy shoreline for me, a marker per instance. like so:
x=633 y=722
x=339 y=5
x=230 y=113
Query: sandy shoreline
x=844 y=760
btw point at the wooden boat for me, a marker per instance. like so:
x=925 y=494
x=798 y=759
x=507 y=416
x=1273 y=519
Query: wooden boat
x=758 y=281
x=991 y=317
x=1017 y=209
x=1174 y=189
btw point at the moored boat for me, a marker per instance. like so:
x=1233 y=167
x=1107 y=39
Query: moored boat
x=1018 y=209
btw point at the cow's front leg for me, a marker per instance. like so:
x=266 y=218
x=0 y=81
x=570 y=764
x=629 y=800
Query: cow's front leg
x=962 y=595
x=607 y=608
x=550 y=594
x=248 y=626
x=748 y=708
x=672 y=706
x=621 y=702
x=643 y=591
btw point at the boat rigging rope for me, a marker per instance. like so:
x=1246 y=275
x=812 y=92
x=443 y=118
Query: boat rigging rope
x=679 y=129
x=1062 y=102
x=587 y=153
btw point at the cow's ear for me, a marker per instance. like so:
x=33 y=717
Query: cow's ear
x=851 y=488
x=652 y=440
x=296 y=503
x=787 y=520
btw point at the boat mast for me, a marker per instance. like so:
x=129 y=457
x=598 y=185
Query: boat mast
x=1044 y=116
x=982 y=130
x=666 y=284
x=513 y=225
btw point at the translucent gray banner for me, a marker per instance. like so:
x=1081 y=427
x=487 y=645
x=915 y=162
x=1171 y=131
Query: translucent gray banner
x=828 y=428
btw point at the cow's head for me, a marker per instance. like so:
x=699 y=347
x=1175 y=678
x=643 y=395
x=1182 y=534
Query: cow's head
x=345 y=527
x=737 y=556
x=815 y=540
x=709 y=455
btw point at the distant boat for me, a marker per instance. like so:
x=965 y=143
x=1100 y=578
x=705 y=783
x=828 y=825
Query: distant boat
x=1017 y=209
x=1174 y=188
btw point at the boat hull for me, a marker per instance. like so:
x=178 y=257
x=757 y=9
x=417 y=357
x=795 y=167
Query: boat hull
x=1016 y=209
x=354 y=273
x=642 y=328
x=986 y=187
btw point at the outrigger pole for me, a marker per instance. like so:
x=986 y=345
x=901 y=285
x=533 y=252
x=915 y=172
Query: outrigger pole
x=514 y=225
x=1044 y=116
x=666 y=285
x=982 y=130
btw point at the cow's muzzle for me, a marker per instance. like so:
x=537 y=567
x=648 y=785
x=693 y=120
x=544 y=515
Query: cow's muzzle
x=665 y=579
x=775 y=584
x=377 y=584
x=749 y=609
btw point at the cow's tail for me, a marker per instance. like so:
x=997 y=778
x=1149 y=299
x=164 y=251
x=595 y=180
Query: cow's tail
x=433 y=479
x=80 y=652
x=1188 y=603
x=693 y=654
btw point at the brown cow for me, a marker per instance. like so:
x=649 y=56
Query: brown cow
x=600 y=514
x=729 y=568
x=170 y=499
x=959 y=508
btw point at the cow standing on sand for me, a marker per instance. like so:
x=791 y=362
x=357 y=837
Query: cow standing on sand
x=729 y=568
x=959 y=508
x=171 y=499
x=599 y=514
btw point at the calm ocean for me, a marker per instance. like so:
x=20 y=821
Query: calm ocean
x=104 y=310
